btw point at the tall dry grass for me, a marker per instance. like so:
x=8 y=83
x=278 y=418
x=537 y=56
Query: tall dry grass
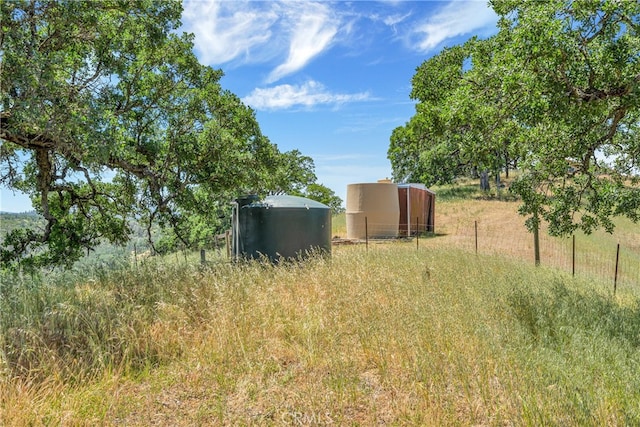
x=392 y=335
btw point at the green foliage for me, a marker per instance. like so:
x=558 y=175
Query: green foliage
x=557 y=89
x=451 y=134
x=324 y=195
x=107 y=115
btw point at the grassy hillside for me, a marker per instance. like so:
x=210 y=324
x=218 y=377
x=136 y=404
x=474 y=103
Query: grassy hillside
x=468 y=219
x=390 y=335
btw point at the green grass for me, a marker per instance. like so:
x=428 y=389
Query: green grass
x=468 y=188
x=460 y=191
x=339 y=225
x=389 y=335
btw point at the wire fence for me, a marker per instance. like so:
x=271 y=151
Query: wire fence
x=581 y=255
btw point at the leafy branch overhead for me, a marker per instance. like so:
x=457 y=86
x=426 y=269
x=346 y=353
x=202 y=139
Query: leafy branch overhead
x=556 y=92
x=107 y=115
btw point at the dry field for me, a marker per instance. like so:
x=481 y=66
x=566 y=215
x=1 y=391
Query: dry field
x=392 y=335
x=501 y=232
x=389 y=336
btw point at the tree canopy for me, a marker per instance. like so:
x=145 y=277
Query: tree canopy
x=557 y=89
x=107 y=116
x=324 y=195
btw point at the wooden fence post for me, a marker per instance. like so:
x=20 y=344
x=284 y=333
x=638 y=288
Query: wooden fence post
x=536 y=239
x=476 y=232
x=615 y=278
x=366 y=233
x=573 y=256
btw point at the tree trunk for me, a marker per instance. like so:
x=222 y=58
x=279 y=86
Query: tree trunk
x=474 y=172
x=484 y=181
x=506 y=166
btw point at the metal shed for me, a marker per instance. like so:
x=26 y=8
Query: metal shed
x=417 y=209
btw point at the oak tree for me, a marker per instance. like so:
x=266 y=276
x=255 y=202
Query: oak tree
x=107 y=116
x=558 y=89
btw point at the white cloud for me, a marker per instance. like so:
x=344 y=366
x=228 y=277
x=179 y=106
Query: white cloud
x=292 y=33
x=455 y=19
x=225 y=31
x=313 y=29
x=392 y=20
x=287 y=35
x=308 y=94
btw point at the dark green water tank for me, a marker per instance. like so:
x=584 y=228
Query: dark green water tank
x=280 y=227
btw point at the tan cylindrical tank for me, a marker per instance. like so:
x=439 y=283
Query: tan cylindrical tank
x=378 y=203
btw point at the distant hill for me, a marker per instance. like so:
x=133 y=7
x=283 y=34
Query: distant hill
x=27 y=213
x=11 y=220
x=101 y=254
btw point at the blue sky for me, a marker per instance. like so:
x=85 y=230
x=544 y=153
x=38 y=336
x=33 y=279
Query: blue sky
x=331 y=79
